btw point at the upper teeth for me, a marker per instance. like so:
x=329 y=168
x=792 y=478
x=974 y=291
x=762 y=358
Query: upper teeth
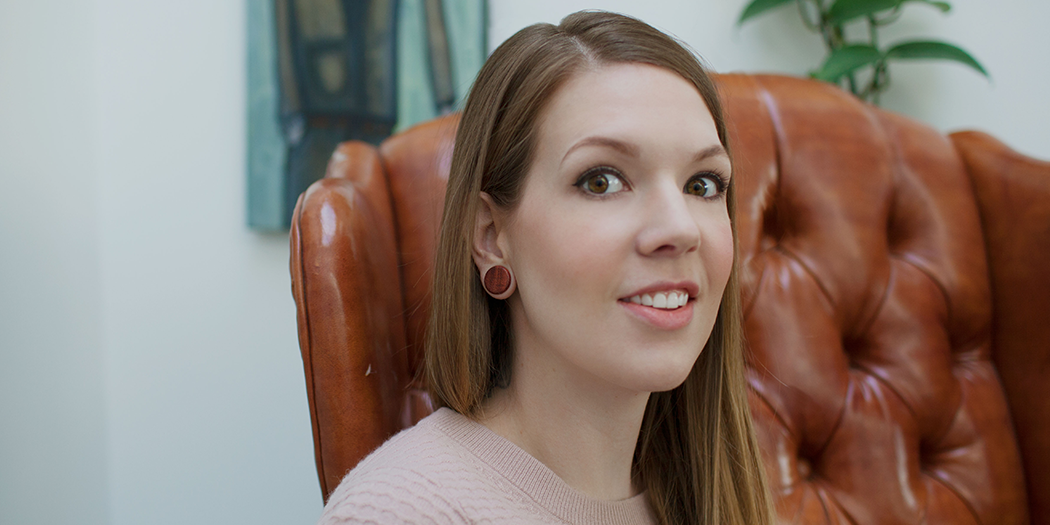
x=668 y=300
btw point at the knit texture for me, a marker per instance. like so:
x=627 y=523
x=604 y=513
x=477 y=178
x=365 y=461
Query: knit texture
x=449 y=469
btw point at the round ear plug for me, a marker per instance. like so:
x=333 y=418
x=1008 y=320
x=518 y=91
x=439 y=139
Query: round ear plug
x=497 y=280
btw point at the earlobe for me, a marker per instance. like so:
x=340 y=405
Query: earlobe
x=489 y=259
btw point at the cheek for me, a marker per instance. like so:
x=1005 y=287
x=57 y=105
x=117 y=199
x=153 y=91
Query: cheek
x=566 y=255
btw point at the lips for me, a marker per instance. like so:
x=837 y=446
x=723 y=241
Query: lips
x=664 y=305
x=661 y=318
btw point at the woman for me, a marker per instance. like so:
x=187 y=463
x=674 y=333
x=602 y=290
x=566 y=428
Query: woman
x=584 y=340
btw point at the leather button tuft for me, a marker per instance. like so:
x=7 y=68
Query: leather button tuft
x=804 y=469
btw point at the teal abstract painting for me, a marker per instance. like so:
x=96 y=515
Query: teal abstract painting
x=321 y=72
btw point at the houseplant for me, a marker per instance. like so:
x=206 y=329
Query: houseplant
x=862 y=66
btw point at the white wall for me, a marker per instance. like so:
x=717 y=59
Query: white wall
x=208 y=420
x=149 y=368
x=52 y=408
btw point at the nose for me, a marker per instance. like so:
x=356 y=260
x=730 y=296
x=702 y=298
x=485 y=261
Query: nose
x=669 y=228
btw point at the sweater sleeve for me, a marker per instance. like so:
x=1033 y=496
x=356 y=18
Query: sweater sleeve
x=390 y=496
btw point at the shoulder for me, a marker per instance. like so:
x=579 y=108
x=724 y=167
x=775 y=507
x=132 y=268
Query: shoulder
x=419 y=475
x=390 y=495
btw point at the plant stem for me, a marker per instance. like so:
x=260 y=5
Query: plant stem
x=890 y=18
x=835 y=39
x=811 y=25
x=873 y=31
x=880 y=80
x=884 y=79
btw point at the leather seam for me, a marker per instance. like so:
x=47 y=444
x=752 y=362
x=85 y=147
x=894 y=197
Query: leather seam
x=937 y=478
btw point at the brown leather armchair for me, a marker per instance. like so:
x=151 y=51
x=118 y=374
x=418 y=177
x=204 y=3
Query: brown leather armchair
x=895 y=285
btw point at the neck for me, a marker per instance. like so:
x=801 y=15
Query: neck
x=581 y=428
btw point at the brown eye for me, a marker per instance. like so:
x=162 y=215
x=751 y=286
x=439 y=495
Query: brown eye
x=598 y=184
x=707 y=186
x=601 y=181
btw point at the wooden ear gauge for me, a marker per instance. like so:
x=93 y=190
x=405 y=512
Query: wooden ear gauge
x=497 y=280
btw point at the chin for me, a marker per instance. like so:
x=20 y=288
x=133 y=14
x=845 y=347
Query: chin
x=663 y=373
x=668 y=383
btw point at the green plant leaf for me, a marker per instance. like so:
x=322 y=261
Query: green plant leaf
x=845 y=10
x=845 y=60
x=757 y=7
x=934 y=50
x=943 y=6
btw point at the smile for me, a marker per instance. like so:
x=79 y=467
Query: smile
x=665 y=300
x=675 y=313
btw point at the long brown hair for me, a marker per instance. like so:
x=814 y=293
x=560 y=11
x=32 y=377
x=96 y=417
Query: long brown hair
x=696 y=455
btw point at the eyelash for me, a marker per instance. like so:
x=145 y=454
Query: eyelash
x=721 y=184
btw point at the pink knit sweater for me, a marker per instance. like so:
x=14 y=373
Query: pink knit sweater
x=449 y=469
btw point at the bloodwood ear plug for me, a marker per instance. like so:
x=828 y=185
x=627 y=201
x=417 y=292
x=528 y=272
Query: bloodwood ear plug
x=497 y=280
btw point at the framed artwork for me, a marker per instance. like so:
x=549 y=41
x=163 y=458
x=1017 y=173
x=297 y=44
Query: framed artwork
x=321 y=72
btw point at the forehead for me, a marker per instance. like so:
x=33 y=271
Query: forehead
x=638 y=103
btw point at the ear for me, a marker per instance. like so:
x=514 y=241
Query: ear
x=487 y=249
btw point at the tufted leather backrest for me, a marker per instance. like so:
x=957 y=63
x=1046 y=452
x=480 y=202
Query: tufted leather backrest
x=870 y=314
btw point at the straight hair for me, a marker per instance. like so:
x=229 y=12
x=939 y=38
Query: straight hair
x=696 y=456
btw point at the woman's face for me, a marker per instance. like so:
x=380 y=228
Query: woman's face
x=623 y=206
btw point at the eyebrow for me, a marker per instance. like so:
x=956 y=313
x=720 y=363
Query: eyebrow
x=712 y=151
x=623 y=147
x=632 y=150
